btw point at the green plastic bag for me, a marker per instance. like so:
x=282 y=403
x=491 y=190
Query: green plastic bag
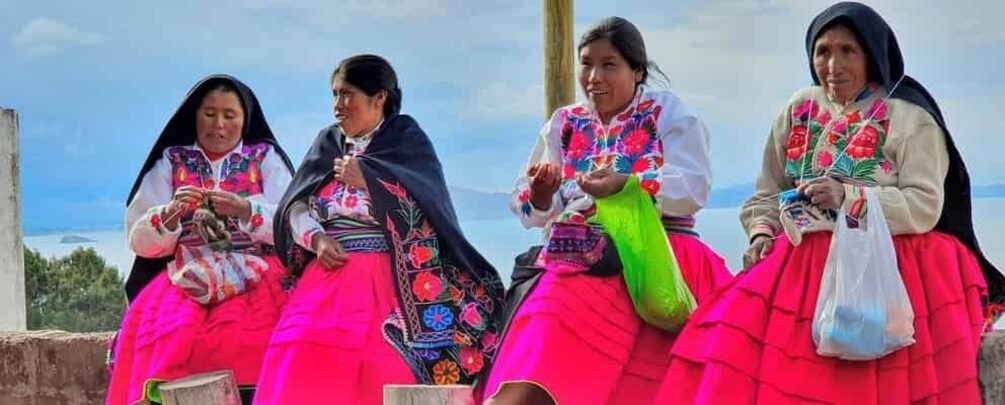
x=655 y=283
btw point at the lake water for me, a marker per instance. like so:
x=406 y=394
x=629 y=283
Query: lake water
x=501 y=240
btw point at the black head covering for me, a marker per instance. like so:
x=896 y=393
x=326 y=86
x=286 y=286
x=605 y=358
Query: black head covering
x=180 y=131
x=887 y=64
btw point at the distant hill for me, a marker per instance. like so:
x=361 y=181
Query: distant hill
x=74 y=239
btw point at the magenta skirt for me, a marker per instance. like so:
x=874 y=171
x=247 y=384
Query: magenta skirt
x=752 y=343
x=579 y=338
x=166 y=335
x=329 y=347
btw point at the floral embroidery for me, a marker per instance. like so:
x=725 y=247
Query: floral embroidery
x=471 y=360
x=336 y=199
x=852 y=148
x=257 y=219
x=489 y=341
x=438 y=317
x=630 y=145
x=798 y=143
x=427 y=287
x=155 y=221
x=442 y=308
x=470 y=315
x=244 y=170
x=420 y=255
x=825 y=159
x=886 y=166
x=446 y=373
x=240 y=173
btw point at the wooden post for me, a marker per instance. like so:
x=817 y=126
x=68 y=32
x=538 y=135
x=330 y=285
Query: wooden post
x=12 y=301
x=559 y=74
x=217 y=388
x=428 y=395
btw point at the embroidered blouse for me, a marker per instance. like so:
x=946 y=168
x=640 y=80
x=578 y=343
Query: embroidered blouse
x=656 y=138
x=249 y=170
x=893 y=148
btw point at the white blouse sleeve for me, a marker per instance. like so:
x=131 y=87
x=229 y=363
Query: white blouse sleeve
x=144 y=220
x=687 y=171
x=303 y=226
x=275 y=178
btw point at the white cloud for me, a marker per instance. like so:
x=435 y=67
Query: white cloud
x=44 y=36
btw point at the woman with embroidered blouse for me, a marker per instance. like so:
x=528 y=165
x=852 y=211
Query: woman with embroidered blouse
x=206 y=289
x=863 y=131
x=574 y=337
x=391 y=292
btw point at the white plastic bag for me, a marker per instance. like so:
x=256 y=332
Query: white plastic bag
x=863 y=311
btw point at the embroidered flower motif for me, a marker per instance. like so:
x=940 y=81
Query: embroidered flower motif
x=854 y=117
x=456 y=294
x=824 y=119
x=636 y=141
x=308 y=236
x=155 y=221
x=863 y=144
x=427 y=287
x=350 y=201
x=833 y=137
x=825 y=159
x=420 y=255
x=437 y=317
x=877 y=110
x=886 y=166
x=641 y=165
x=650 y=186
x=472 y=360
x=446 y=372
x=257 y=220
x=395 y=189
x=577 y=145
x=489 y=341
x=428 y=354
x=798 y=142
x=840 y=127
x=643 y=106
x=524 y=195
x=471 y=316
x=805 y=110
x=462 y=339
x=568 y=171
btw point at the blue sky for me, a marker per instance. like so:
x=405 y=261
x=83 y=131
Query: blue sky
x=94 y=82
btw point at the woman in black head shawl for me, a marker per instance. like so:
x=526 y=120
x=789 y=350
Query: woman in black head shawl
x=390 y=290
x=864 y=131
x=205 y=290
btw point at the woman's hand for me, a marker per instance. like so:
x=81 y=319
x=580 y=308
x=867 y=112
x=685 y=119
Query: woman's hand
x=185 y=199
x=544 y=179
x=824 y=192
x=759 y=249
x=347 y=171
x=601 y=183
x=229 y=204
x=330 y=253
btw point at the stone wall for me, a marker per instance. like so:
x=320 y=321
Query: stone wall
x=55 y=367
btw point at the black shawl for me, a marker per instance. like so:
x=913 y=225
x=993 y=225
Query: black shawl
x=411 y=202
x=180 y=131
x=887 y=64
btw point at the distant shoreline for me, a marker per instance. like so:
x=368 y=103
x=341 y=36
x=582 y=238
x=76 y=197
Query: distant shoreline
x=474 y=205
